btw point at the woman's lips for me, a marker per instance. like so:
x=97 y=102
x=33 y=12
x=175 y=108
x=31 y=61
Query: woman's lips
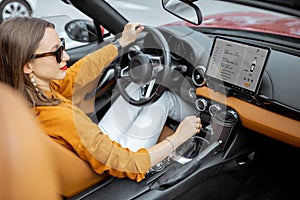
x=64 y=68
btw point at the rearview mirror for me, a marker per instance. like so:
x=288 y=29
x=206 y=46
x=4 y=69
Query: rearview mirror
x=184 y=9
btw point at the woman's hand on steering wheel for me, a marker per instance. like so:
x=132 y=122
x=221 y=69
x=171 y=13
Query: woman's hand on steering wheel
x=130 y=33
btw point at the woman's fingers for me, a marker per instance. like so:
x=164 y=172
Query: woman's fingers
x=130 y=33
x=190 y=125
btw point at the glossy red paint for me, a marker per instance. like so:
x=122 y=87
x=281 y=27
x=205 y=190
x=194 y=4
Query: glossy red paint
x=252 y=21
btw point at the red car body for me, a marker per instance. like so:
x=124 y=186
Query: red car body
x=252 y=21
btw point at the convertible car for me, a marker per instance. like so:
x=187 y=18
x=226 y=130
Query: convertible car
x=237 y=62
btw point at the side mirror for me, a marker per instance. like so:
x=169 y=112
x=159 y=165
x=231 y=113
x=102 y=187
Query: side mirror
x=184 y=9
x=81 y=30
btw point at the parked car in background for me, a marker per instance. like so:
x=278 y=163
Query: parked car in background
x=55 y=11
x=37 y=8
x=13 y=8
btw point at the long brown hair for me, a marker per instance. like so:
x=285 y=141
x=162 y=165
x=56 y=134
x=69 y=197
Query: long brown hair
x=19 y=38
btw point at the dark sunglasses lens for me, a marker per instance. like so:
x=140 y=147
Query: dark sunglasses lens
x=59 y=53
x=63 y=43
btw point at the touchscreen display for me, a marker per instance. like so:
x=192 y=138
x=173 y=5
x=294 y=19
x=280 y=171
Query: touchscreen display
x=238 y=65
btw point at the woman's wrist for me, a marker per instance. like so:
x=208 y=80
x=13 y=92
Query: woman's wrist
x=118 y=45
x=170 y=142
x=176 y=142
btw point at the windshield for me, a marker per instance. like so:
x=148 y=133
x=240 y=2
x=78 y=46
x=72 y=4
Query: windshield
x=263 y=18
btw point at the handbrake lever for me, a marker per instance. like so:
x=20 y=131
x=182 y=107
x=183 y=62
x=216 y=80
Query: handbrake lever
x=178 y=172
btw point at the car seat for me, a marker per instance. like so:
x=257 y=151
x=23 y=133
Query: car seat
x=32 y=165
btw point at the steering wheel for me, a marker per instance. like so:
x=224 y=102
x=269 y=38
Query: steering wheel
x=146 y=70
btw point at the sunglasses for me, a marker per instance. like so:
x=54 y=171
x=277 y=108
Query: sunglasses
x=57 y=53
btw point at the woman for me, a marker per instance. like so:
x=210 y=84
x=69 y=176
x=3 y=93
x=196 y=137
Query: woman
x=33 y=61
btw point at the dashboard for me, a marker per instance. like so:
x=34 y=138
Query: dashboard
x=271 y=107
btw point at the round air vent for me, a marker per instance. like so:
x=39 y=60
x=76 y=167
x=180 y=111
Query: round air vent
x=198 y=76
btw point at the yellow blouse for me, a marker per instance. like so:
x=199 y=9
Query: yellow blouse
x=70 y=126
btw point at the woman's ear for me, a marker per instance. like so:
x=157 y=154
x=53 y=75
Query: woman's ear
x=27 y=69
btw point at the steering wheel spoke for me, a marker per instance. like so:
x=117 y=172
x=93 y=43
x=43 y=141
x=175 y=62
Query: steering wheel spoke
x=124 y=73
x=147 y=89
x=157 y=64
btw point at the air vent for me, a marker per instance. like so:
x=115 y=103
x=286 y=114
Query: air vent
x=198 y=76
